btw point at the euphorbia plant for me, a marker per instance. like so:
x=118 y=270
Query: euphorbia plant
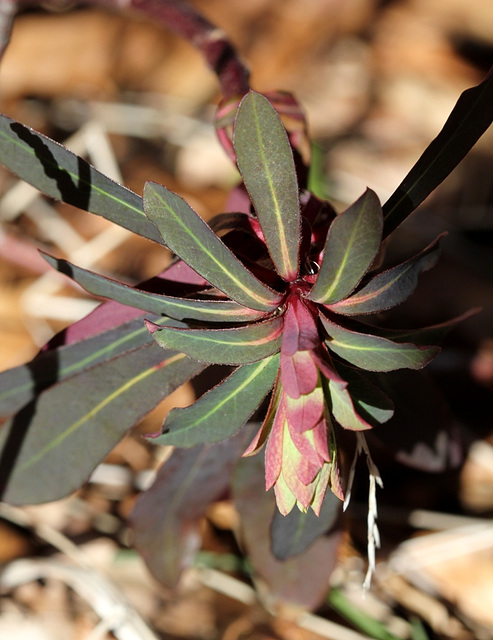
x=281 y=297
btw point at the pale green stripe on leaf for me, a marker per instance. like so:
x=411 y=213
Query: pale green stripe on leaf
x=352 y=244
x=220 y=412
x=187 y=235
x=265 y=160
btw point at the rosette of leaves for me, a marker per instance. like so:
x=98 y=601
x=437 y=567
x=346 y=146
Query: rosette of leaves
x=277 y=302
x=279 y=292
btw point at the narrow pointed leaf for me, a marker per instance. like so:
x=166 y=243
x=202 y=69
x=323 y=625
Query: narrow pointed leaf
x=21 y=384
x=343 y=408
x=187 y=235
x=61 y=174
x=52 y=445
x=352 y=244
x=370 y=402
x=424 y=336
x=220 y=412
x=390 y=288
x=265 y=160
x=173 y=307
x=469 y=119
x=225 y=346
x=166 y=517
x=295 y=533
x=375 y=353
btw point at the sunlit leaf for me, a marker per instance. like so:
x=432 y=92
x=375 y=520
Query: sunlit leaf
x=193 y=240
x=390 y=287
x=21 y=384
x=375 y=353
x=294 y=533
x=53 y=444
x=370 y=402
x=470 y=118
x=166 y=517
x=224 y=346
x=352 y=243
x=61 y=174
x=173 y=307
x=343 y=408
x=266 y=163
x=220 y=412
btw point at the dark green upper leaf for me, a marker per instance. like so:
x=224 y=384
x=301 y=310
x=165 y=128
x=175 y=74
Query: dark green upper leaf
x=390 y=288
x=470 y=118
x=21 y=384
x=352 y=243
x=193 y=240
x=61 y=174
x=294 y=533
x=177 y=308
x=53 y=444
x=224 y=346
x=224 y=409
x=265 y=160
x=375 y=353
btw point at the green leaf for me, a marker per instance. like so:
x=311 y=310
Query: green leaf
x=390 y=288
x=173 y=307
x=343 y=408
x=294 y=533
x=370 y=402
x=53 y=444
x=195 y=243
x=61 y=174
x=374 y=353
x=358 y=618
x=469 y=119
x=166 y=517
x=352 y=243
x=21 y=384
x=265 y=160
x=221 y=412
x=224 y=346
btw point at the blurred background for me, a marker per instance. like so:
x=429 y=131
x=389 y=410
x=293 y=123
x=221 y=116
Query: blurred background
x=377 y=80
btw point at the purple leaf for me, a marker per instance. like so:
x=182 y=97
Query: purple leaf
x=166 y=517
x=301 y=581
